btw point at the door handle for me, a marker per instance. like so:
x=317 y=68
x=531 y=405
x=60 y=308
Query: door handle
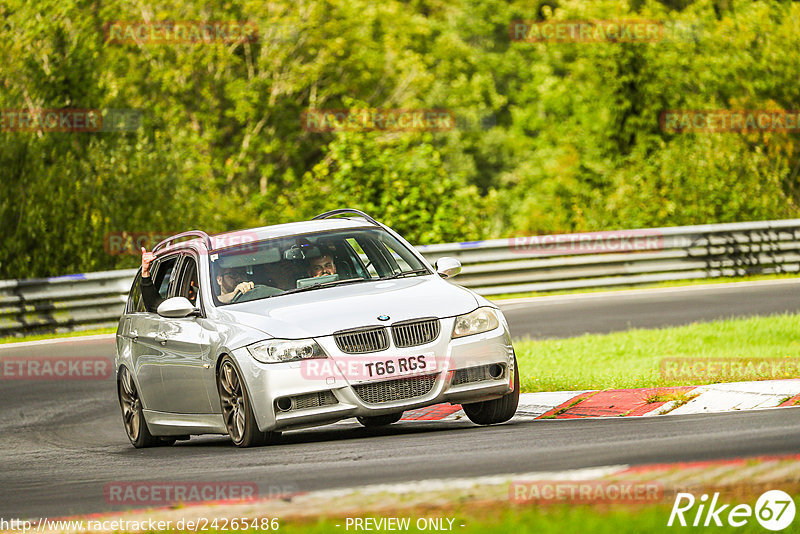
x=161 y=338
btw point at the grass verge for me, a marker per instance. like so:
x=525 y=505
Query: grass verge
x=38 y=337
x=633 y=359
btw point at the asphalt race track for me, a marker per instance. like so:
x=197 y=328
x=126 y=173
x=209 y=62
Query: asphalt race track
x=63 y=441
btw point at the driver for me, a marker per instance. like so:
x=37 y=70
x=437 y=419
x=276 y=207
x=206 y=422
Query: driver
x=231 y=281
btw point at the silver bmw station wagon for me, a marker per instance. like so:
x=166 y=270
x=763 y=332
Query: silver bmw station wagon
x=304 y=324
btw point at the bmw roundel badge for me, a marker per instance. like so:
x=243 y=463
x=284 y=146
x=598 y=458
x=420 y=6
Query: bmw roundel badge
x=383 y=317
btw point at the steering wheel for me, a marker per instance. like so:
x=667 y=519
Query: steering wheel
x=257 y=289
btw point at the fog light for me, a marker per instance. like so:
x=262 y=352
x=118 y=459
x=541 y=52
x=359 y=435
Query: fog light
x=496 y=370
x=284 y=404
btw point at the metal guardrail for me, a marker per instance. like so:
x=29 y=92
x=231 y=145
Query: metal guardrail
x=514 y=265
x=625 y=257
x=63 y=303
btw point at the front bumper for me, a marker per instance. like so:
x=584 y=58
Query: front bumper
x=469 y=369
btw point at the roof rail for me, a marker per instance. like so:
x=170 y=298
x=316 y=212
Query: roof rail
x=193 y=233
x=333 y=213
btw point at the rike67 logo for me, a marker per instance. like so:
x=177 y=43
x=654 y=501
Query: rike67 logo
x=774 y=510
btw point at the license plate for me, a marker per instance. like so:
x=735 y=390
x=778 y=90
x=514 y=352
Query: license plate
x=368 y=369
x=402 y=366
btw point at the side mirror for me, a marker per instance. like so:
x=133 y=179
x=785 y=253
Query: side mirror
x=176 y=307
x=448 y=267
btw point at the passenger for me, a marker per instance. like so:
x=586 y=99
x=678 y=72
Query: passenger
x=321 y=266
x=191 y=291
x=150 y=294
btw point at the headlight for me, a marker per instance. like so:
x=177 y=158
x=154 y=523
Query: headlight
x=481 y=320
x=286 y=350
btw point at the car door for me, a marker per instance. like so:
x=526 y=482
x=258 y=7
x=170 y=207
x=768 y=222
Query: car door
x=149 y=355
x=188 y=367
x=128 y=333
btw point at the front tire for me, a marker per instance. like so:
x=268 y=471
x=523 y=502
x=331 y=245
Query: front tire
x=237 y=410
x=379 y=420
x=498 y=410
x=132 y=415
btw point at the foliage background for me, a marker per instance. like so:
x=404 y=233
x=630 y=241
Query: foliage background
x=552 y=137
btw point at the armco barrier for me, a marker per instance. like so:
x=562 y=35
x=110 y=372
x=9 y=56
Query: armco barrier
x=627 y=257
x=63 y=303
x=519 y=264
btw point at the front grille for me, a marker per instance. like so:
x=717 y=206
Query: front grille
x=413 y=333
x=371 y=339
x=394 y=390
x=472 y=374
x=313 y=400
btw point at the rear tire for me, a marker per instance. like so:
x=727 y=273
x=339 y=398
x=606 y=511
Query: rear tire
x=132 y=415
x=379 y=420
x=237 y=409
x=498 y=410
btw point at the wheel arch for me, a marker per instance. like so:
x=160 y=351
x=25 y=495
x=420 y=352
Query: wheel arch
x=246 y=384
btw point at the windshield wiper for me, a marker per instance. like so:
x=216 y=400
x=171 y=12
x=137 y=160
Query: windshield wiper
x=319 y=285
x=404 y=273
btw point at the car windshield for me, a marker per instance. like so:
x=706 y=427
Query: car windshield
x=308 y=262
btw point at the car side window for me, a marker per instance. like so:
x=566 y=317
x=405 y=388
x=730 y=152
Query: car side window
x=135 y=301
x=164 y=275
x=188 y=283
